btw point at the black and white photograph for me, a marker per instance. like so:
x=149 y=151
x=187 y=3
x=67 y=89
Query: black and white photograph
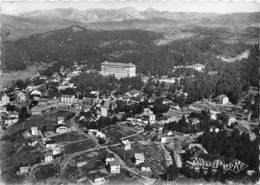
x=135 y=92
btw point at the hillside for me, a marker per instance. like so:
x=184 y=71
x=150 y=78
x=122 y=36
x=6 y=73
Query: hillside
x=26 y=24
x=74 y=43
x=152 y=52
x=14 y=27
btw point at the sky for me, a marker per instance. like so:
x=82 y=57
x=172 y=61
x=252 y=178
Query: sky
x=221 y=6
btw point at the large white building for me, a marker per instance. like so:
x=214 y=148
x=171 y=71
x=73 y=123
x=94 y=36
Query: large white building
x=120 y=70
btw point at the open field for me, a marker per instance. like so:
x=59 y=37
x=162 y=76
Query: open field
x=78 y=146
x=68 y=137
x=48 y=119
x=115 y=133
x=153 y=153
x=44 y=172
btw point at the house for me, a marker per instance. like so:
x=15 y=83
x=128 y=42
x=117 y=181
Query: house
x=50 y=144
x=67 y=99
x=149 y=115
x=110 y=158
x=222 y=99
x=103 y=111
x=96 y=133
x=195 y=121
x=149 y=118
x=56 y=150
x=5 y=100
x=61 y=120
x=126 y=144
x=213 y=116
x=34 y=131
x=114 y=167
x=145 y=168
x=212 y=129
x=35 y=94
x=81 y=163
x=97 y=178
x=48 y=157
x=139 y=158
x=92 y=98
x=62 y=129
x=231 y=120
x=12 y=118
x=23 y=170
x=21 y=97
x=166 y=139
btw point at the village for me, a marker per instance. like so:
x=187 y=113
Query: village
x=50 y=128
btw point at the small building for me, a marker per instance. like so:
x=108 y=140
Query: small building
x=195 y=121
x=114 y=167
x=61 y=129
x=5 y=100
x=231 y=120
x=36 y=94
x=213 y=116
x=139 y=158
x=48 y=157
x=23 y=170
x=222 y=99
x=149 y=115
x=12 y=119
x=21 y=97
x=110 y=158
x=126 y=144
x=67 y=99
x=145 y=168
x=34 y=131
x=103 y=112
x=96 y=133
x=50 y=144
x=213 y=129
x=81 y=163
x=60 y=120
x=56 y=150
x=97 y=178
x=166 y=139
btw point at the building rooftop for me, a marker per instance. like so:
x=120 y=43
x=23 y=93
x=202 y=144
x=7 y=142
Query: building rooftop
x=116 y=64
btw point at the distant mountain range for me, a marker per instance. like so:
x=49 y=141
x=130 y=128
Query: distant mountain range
x=40 y=21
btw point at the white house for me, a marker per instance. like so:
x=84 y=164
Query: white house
x=81 y=163
x=5 y=100
x=61 y=129
x=145 y=168
x=114 y=167
x=96 y=133
x=231 y=120
x=213 y=116
x=126 y=144
x=56 y=150
x=23 y=170
x=50 y=144
x=60 y=120
x=149 y=115
x=103 y=111
x=97 y=178
x=48 y=157
x=222 y=99
x=67 y=99
x=34 y=131
x=21 y=97
x=139 y=158
x=109 y=158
